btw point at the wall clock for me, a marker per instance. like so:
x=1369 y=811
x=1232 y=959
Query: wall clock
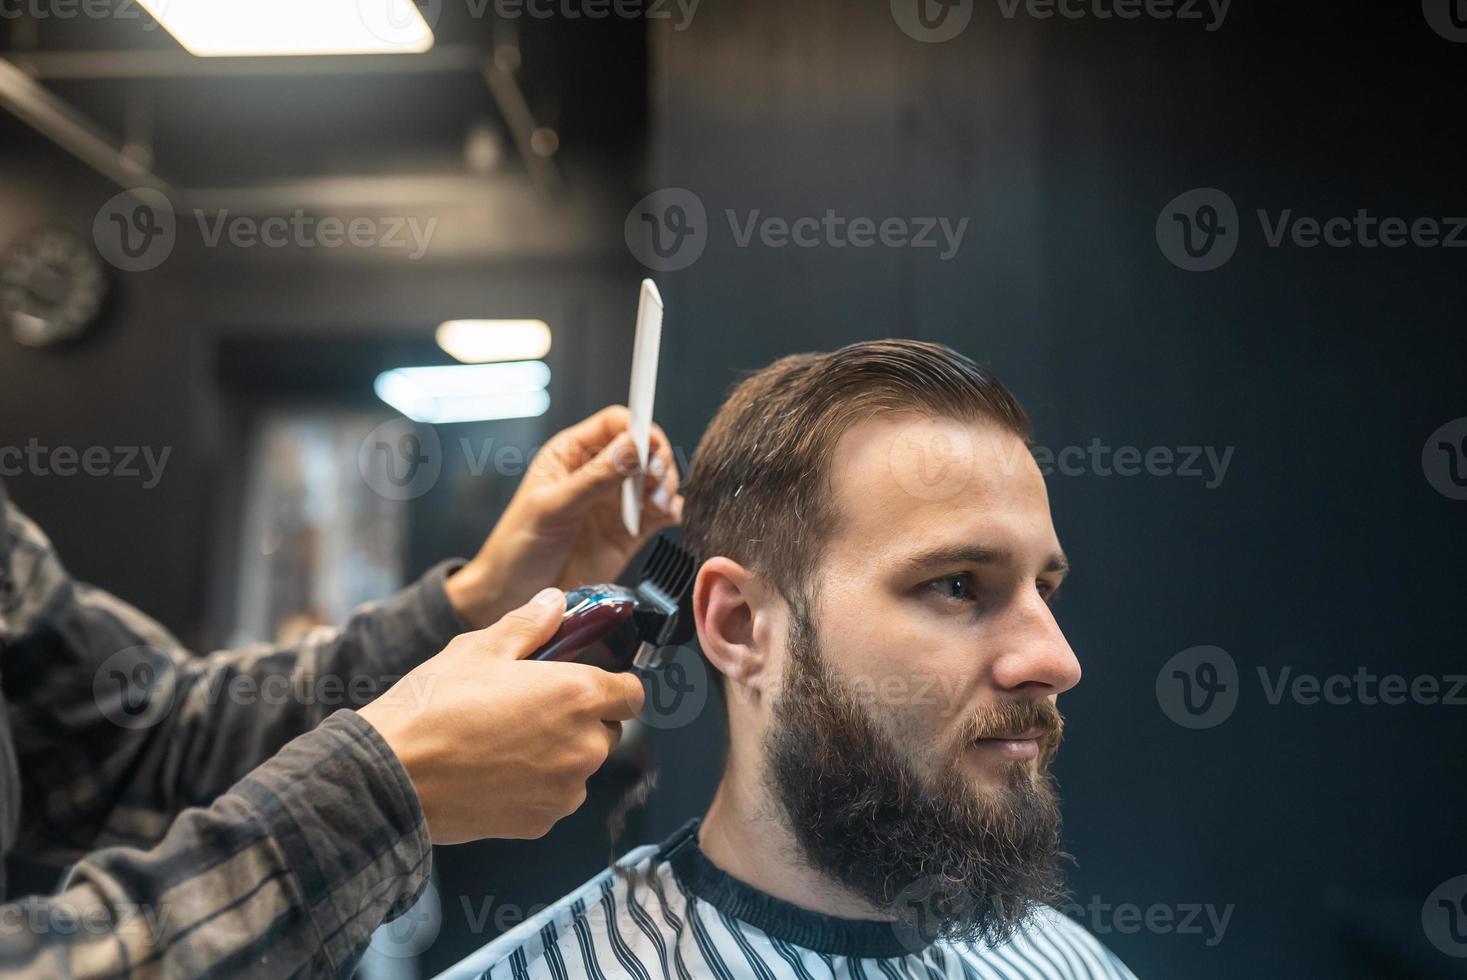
x=52 y=285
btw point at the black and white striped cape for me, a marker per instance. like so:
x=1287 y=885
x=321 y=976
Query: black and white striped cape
x=667 y=913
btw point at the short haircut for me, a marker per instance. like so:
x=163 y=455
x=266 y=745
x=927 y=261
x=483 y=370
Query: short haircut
x=760 y=492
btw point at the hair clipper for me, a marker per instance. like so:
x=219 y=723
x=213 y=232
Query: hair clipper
x=618 y=627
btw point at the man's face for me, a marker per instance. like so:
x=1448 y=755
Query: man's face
x=933 y=595
x=913 y=724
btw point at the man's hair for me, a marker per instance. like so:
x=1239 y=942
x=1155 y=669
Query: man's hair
x=759 y=491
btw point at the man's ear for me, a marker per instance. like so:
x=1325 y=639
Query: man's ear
x=730 y=608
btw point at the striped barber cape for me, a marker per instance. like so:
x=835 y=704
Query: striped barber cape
x=668 y=913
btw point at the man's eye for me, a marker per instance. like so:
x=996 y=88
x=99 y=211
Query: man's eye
x=958 y=588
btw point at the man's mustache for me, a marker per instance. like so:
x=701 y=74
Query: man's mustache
x=1038 y=719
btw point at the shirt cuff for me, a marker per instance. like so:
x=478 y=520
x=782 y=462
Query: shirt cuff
x=346 y=818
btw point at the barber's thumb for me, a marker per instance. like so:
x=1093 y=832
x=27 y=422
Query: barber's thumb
x=524 y=630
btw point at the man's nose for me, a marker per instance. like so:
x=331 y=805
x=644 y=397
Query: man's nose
x=1036 y=656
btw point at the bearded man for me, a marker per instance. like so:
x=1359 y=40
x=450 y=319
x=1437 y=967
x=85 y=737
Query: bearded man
x=874 y=599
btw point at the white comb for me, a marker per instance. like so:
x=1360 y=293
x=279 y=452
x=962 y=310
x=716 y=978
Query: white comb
x=645 y=351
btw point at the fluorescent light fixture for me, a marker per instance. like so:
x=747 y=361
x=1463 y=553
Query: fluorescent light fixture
x=245 y=28
x=467 y=392
x=480 y=341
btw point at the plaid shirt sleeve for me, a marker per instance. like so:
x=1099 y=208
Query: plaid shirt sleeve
x=236 y=816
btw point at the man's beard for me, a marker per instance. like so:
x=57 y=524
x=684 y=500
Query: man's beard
x=944 y=859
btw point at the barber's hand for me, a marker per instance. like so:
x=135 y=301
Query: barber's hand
x=563 y=527
x=498 y=746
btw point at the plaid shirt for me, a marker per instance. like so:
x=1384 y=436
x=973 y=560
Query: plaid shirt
x=229 y=814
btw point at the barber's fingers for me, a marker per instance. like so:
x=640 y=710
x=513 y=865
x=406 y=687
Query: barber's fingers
x=661 y=504
x=603 y=472
x=662 y=480
x=593 y=433
x=618 y=696
x=524 y=630
x=605 y=437
x=661 y=461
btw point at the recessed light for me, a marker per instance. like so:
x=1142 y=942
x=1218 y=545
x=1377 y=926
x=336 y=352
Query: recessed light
x=481 y=341
x=467 y=392
x=245 y=28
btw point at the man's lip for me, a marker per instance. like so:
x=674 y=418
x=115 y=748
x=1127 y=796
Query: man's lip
x=1022 y=747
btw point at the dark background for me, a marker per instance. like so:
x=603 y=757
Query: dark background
x=1325 y=548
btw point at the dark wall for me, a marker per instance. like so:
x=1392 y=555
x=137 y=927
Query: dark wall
x=136 y=383
x=1323 y=549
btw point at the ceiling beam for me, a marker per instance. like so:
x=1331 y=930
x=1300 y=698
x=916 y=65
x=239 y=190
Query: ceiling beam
x=176 y=63
x=70 y=130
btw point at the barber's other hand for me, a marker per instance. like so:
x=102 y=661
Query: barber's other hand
x=499 y=746
x=563 y=527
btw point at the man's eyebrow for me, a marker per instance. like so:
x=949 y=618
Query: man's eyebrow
x=1058 y=564
x=960 y=554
